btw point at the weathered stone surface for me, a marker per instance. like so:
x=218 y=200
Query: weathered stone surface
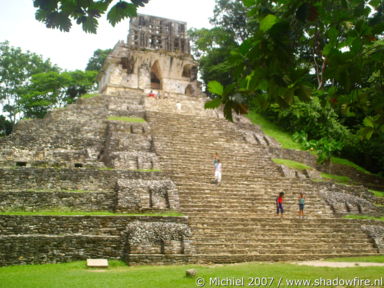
x=54 y=239
x=137 y=195
x=75 y=201
x=191 y=273
x=157 y=238
x=376 y=232
x=344 y=203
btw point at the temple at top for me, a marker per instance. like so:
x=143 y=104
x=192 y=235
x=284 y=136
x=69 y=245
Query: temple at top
x=156 y=57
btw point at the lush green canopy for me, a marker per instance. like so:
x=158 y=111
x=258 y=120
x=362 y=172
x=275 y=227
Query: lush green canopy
x=30 y=86
x=292 y=52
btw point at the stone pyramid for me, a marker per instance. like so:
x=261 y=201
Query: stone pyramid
x=125 y=152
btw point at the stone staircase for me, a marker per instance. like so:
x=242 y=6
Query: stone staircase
x=236 y=222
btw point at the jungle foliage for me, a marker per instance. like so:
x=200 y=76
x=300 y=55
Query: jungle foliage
x=315 y=67
x=30 y=86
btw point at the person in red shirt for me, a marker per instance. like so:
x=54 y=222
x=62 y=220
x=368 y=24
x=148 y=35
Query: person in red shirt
x=279 y=204
x=151 y=94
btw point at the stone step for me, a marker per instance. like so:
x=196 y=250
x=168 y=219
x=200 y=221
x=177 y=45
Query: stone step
x=267 y=223
x=271 y=229
x=285 y=239
x=282 y=250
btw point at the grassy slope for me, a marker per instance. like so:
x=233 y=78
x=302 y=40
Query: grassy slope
x=118 y=275
x=291 y=164
x=286 y=141
x=274 y=131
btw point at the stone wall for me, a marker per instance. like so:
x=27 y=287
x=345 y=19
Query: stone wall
x=345 y=199
x=74 y=201
x=376 y=232
x=40 y=249
x=132 y=68
x=87 y=190
x=52 y=239
x=139 y=195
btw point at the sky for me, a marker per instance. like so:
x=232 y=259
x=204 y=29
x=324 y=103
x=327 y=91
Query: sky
x=72 y=50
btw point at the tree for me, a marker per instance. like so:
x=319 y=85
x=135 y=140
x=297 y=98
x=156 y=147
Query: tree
x=16 y=70
x=58 y=14
x=5 y=126
x=96 y=62
x=210 y=47
x=300 y=48
x=231 y=15
x=298 y=52
x=54 y=89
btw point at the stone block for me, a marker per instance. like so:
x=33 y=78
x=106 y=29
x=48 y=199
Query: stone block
x=97 y=263
x=191 y=273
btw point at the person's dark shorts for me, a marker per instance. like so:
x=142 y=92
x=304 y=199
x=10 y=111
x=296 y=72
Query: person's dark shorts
x=301 y=207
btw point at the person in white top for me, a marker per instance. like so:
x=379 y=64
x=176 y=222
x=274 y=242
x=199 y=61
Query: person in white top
x=218 y=167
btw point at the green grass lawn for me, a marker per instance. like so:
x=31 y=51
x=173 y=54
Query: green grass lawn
x=119 y=275
x=375 y=259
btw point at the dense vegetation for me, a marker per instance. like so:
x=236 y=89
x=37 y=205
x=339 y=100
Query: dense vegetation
x=316 y=68
x=31 y=86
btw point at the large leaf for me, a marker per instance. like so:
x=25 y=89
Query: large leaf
x=215 y=88
x=90 y=25
x=212 y=104
x=368 y=122
x=120 y=11
x=268 y=22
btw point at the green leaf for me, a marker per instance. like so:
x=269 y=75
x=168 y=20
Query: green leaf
x=228 y=111
x=215 y=88
x=366 y=133
x=90 y=25
x=327 y=49
x=41 y=15
x=268 y=22
x=368 y=122
x=120 y=11
x=213 y=104
x=248 y=3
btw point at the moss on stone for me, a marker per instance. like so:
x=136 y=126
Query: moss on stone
x=126 y=119
x=377 y=193
x=337 y=178
x=87 y=96
x=366 y=217
x=291 y=164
